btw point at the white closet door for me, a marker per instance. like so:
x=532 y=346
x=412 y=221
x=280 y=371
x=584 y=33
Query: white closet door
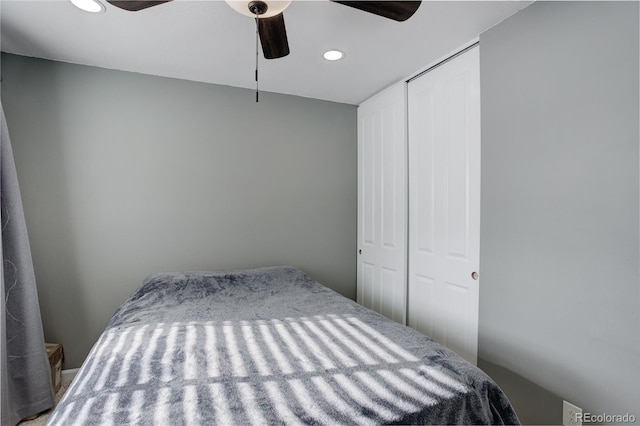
x=382 y=203
x=444 y=203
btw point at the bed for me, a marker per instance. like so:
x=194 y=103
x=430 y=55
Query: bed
x=269 y=346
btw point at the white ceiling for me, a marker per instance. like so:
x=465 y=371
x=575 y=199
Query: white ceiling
x=208 y=41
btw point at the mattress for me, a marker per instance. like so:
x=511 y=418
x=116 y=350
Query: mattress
x=269 y=346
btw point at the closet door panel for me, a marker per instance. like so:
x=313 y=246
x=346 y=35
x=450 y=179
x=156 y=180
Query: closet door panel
x=422 y=201
x=444 y=200
x=459 y=157
x=422 y=197
x=382 y=199
x=390 y=172
x=367 y=181
x=421 y=305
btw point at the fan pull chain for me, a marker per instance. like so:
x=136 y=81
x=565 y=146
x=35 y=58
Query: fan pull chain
x=257 y=37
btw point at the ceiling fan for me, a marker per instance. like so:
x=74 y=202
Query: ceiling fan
x=270 y=20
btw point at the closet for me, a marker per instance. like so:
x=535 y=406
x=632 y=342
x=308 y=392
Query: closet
x=419 y=202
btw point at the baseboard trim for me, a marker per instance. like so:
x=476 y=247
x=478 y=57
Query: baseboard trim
x=68 y=375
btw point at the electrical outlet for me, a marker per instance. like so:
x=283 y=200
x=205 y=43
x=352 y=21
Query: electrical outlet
x=571 y=415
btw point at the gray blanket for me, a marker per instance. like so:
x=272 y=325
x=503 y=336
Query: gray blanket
x=269 y=346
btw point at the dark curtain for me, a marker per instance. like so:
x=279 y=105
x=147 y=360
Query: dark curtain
x=25 y=376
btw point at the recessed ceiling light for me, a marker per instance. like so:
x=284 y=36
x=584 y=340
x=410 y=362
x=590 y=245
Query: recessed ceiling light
x=93 y=6
x=333 y=55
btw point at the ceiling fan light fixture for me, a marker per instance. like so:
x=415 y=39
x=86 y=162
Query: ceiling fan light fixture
x=91 y=6
x=274 y=7
x=333 y=55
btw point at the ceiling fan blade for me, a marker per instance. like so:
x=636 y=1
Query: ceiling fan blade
x=273 y=37
x=396 y=10
x=135 y=5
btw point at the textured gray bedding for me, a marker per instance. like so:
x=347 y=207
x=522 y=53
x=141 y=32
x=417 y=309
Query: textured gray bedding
x=269 y=346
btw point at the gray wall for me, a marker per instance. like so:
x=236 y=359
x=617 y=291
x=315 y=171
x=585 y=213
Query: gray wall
x=124 y=175
x=560 y=290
